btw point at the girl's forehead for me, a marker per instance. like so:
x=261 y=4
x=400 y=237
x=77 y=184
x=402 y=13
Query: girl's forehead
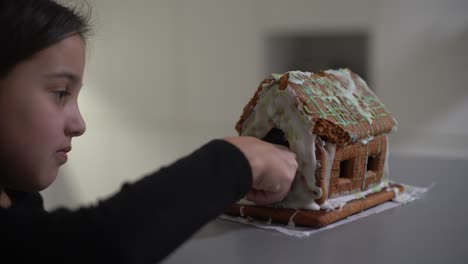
x=66 y=58
x=70 y=51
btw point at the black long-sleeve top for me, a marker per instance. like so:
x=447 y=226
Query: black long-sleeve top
x=143 y=223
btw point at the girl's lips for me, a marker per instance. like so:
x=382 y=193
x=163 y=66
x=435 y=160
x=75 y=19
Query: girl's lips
x=61 y=156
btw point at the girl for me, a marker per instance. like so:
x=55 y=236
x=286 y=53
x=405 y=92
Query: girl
x=42 y=58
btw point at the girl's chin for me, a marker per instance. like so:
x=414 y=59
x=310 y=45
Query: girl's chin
x=43 y=182
x=43 y=185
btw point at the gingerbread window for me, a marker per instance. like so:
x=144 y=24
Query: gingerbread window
x=346 y=174
x=372 y=163
x=373 y=168
x=346 y=169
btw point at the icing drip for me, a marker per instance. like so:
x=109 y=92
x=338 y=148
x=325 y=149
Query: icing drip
x=291 y=222
x=365 y=166
x=330 y=149
x=386 y=171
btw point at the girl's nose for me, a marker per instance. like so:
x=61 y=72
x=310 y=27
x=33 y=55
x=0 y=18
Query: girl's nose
x=76 y=126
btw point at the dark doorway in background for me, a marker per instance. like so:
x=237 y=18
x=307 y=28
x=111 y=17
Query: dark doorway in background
x=309 y=51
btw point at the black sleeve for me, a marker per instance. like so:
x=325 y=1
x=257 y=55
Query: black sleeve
x=143 y=223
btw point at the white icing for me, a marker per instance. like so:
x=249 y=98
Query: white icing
x=244 y=201
x=275 y=108
x=241 y=211
x=366 y=141
x=339 y=202
x=402 y=197
x=293 y=74
x=386 y=170
x=330 y=149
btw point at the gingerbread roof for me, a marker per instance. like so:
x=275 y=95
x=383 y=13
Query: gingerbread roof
x=341 y=107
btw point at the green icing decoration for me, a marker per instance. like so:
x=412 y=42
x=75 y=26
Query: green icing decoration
x=332 y=107
x=277 y=76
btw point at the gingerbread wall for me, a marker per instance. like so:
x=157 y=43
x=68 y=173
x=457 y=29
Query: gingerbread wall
x=357 y=167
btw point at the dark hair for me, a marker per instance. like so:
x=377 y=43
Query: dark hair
x=29 y=26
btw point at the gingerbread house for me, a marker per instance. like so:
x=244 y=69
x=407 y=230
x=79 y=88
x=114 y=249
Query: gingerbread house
x=338 y=129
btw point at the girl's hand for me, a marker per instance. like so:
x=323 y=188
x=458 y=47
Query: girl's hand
x=273 y=168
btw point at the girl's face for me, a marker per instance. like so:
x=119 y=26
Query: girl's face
x=39 y=115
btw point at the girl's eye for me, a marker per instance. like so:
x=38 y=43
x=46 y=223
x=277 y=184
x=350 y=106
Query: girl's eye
x=61 y=94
